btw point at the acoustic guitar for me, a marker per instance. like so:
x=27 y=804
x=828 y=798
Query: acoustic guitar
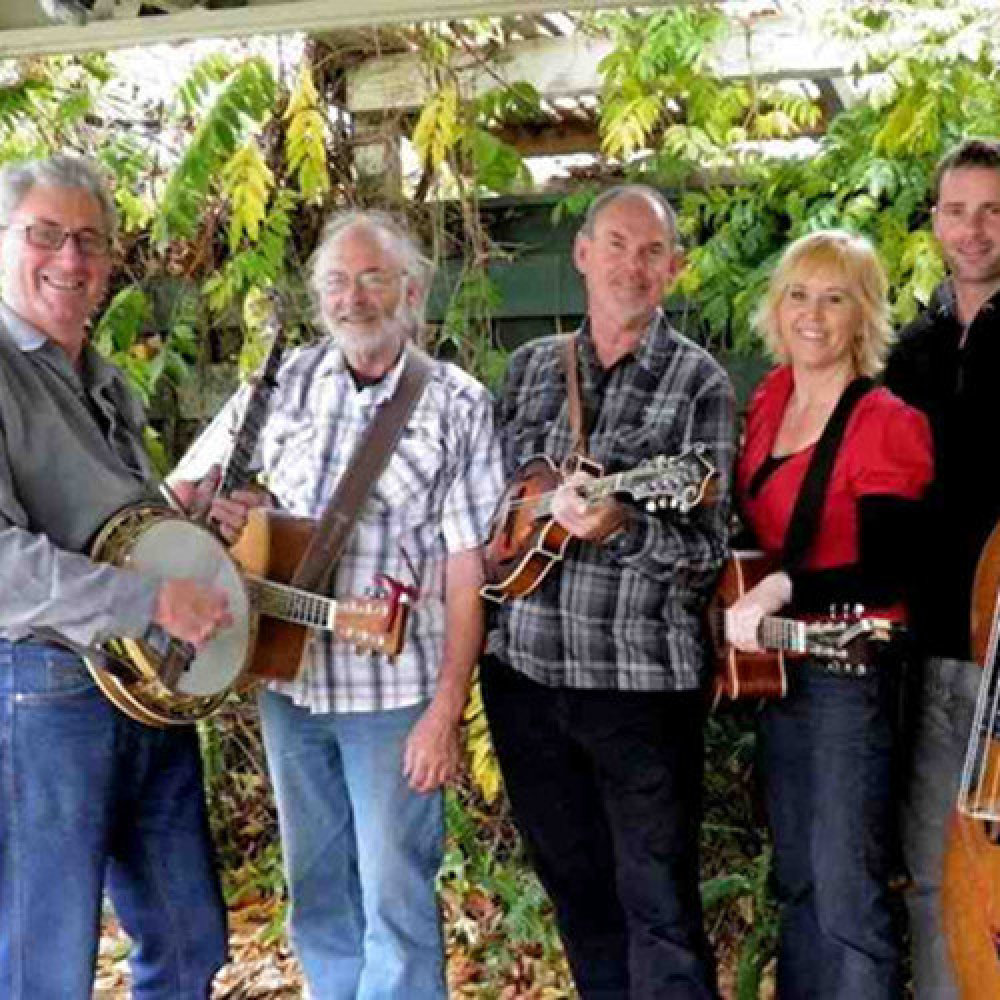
x=526 y=542
x=845 y=639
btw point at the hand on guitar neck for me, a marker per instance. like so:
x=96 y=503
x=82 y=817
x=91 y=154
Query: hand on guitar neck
x=593 y=521
x=227 y=515
x=744 y=616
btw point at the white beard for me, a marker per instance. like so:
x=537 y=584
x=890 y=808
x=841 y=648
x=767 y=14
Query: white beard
x=394 y=332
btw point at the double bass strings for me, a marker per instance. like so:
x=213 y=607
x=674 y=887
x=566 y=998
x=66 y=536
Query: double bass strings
x=979 y=792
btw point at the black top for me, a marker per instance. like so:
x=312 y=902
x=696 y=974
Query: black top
x=956 y=386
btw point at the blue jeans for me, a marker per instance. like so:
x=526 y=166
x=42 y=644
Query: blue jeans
x=605 y=787
x=88 y=794
x=361 y=850
x=828 y=760
x=946 y=709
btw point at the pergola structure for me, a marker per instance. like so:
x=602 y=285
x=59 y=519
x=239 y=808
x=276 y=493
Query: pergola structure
x=29 y=27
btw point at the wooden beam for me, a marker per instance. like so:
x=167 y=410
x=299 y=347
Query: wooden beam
x=552 y=138
x=24 y=29
x=556 y=67
x=778 y=48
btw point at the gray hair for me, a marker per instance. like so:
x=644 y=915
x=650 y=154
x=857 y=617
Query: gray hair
x=655 y=198
x=59 y=171
x=413 y=261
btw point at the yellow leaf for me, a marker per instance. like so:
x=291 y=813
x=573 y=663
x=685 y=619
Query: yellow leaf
x=305 y=138
x=438 y=128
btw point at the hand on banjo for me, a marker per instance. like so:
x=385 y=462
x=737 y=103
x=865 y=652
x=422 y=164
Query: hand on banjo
x=191 y=611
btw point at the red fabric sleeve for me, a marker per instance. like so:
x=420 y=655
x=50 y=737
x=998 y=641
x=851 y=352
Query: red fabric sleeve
x=892 y=452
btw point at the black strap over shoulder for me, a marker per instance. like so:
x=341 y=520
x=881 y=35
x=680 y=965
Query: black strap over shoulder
x=805 y=517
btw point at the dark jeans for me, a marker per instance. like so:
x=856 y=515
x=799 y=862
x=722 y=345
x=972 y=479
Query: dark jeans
x=605 y=787
x=88 y=794
x=827 y=756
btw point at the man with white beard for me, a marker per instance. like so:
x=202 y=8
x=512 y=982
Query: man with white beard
x=359 y=746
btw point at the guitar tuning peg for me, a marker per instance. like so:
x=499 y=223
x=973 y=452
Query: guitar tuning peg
x=651 y=506
x=859 y=610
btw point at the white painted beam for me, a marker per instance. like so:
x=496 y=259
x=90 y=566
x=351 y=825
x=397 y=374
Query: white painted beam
x=779 y=48
x=25 y=31
x=556 y=67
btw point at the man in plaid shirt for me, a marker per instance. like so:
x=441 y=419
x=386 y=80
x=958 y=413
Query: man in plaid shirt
x=592 y=685
x=359 y=746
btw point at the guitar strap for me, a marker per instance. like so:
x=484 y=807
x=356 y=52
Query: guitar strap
x=804 y=522
x=370 y=457
x=570 y=366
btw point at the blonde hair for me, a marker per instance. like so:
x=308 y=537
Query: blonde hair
x=854 y=259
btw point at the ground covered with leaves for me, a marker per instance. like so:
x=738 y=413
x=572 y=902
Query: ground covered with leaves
x=501 y=938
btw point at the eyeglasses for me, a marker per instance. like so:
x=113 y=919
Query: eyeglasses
x=49 y=236
x=337 y=282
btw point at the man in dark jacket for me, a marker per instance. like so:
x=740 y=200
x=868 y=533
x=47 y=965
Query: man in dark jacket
x=946 y=363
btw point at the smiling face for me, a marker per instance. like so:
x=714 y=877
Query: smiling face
x=626 y=263
x=366 y=299
x=967 y=225
x=56 y=291
x=818 y=320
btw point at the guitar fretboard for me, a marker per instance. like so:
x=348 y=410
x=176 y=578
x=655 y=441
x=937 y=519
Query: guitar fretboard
x=785 y=634
x=277 y=600
x=237 y=471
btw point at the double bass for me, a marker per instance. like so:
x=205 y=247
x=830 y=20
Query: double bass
x=970 y=888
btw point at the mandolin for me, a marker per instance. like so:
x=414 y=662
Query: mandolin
x=526 y=542
x=844 y=639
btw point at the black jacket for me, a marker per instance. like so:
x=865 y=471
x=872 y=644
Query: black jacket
x=958 y=387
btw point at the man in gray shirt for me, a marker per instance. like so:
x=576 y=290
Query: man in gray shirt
x=85 y=792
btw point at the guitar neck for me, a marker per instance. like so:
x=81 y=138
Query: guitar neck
x=783 y=635
x=593 y=490
x=237 y=472
x=290 y=604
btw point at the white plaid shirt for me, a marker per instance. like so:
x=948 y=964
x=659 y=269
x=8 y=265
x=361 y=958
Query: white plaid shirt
x=435 y=498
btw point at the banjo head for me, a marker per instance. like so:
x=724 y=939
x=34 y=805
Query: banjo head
x=172 y=548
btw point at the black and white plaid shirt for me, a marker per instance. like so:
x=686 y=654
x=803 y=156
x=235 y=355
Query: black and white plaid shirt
x=435 y=498
x=625 y=615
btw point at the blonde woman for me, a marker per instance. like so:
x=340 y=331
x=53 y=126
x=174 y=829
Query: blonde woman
x=826 y=748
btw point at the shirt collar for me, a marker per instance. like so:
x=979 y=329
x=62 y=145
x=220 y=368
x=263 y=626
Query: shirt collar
x=335 y=365
x=94 y=372
x=944 y=302
x=25 y=336
x=649 y=353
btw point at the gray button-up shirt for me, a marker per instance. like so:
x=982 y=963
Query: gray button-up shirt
x=71 y=455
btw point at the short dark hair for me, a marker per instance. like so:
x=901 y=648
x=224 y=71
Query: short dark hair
x=973 y=152
x=605 y=198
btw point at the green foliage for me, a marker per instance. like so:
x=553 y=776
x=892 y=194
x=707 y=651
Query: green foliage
x=466 y=332
x=869 y=172
x=246 y=101
x=258 y=265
